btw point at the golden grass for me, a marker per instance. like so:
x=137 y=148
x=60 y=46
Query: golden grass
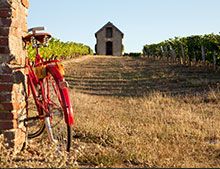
x=116 y=128
x=155 y=131
x=135 y=113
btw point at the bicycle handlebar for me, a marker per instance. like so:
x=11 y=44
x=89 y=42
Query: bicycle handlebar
x=37 y=39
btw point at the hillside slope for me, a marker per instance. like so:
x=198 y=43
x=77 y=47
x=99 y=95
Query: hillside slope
x=142 y=112
x=135 y=113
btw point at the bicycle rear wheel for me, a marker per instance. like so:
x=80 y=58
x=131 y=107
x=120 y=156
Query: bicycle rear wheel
x=54 y=99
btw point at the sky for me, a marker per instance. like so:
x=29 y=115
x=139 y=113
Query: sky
x=141 y=21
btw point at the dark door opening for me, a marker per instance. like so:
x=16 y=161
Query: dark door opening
x=109 y=48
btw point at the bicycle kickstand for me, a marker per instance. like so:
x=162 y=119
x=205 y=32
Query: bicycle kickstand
x=49 y=130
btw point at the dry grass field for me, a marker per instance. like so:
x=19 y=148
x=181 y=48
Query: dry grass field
x=135 y=113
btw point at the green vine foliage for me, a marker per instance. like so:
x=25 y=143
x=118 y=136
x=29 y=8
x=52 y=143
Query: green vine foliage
x=60 y=50
x=191 y=45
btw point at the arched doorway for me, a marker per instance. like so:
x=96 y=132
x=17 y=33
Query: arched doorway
x=109 y=48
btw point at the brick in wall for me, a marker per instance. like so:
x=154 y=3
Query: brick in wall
x=13 y=26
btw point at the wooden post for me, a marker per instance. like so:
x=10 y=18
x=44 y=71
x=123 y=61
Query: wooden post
x=173 y=54
x=162 y=51
x=183 y=55
x=214 y=60
x=203 y=54
x=194 y=57
x=166 y=53
x=13 y=26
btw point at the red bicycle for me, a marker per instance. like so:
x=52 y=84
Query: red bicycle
x=48 y=99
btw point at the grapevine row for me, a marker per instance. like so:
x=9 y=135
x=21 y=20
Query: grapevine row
x=196 y=48
x=61 y=50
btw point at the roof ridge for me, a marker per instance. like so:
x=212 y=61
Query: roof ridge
x=109 y=23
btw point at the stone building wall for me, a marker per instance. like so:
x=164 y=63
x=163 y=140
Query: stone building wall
x=13 y=25
x=116 y=40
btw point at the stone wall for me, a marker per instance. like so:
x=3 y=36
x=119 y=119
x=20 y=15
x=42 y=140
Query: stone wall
x=116 y=40
x=13 y=26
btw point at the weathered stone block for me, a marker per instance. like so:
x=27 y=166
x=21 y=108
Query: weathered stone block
x=3 y=41
x=5 y=22
x=5 y=3
x=8 y=124
x=5 y=12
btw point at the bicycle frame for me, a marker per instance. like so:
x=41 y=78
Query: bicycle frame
x=33 y=80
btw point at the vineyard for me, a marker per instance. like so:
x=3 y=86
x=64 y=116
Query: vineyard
x=158 y=107
x=61 y=50
x=196 y=48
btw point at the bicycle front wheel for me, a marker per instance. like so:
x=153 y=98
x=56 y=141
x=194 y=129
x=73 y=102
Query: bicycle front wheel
x=35 y=125
x=61 y=131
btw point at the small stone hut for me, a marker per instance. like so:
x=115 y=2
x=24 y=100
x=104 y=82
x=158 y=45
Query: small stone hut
x=109 y=40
